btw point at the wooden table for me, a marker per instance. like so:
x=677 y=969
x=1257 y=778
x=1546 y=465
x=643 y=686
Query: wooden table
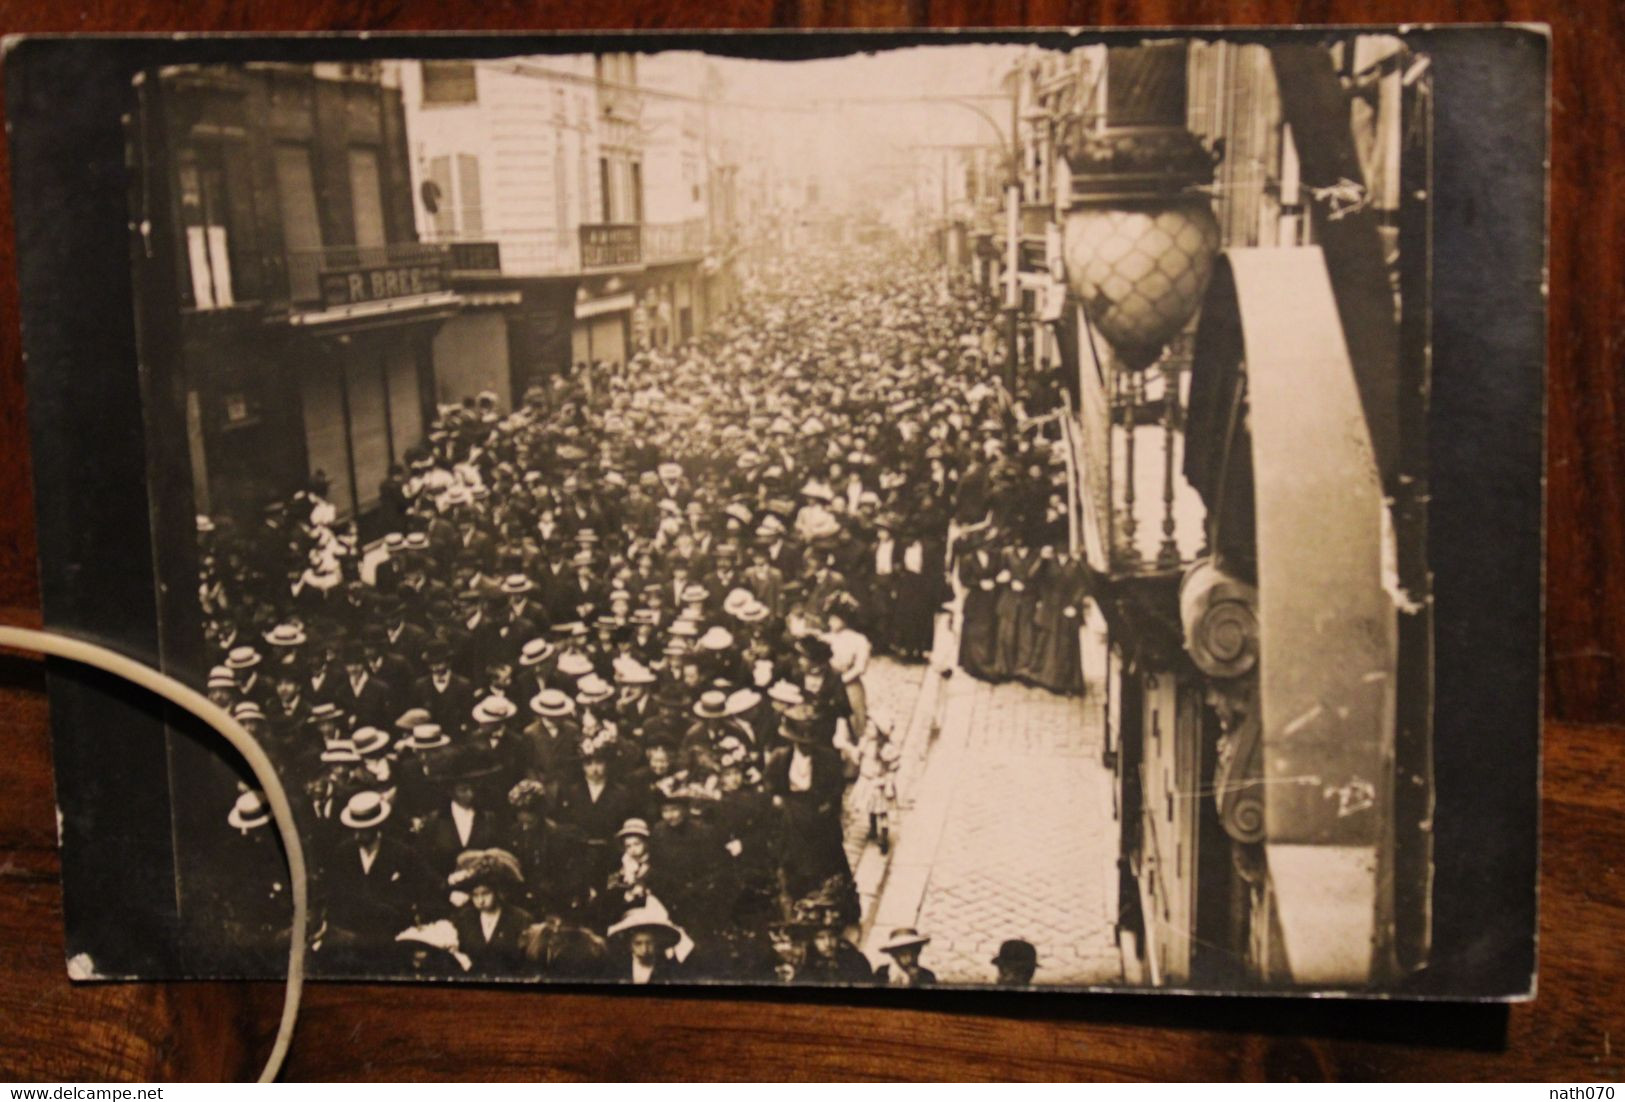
x=51 y=1029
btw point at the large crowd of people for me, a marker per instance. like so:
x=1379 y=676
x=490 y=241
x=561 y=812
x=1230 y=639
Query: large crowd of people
x=595 y=707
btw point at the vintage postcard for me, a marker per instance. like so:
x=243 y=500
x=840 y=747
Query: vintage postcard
x=870 y=510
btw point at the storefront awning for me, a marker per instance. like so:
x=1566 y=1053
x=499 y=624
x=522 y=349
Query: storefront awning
x=405 y=308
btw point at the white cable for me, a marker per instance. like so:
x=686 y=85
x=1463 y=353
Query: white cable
x=62 y=646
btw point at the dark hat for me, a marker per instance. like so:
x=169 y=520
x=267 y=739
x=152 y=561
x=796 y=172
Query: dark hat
x=1017 y=953
x=436 y=651
x=814 y=648
x=799 y=730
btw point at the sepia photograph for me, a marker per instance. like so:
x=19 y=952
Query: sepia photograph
x=945 y=514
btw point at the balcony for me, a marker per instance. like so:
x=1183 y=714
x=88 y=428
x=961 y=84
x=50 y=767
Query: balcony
x=671 y=242
x=587 y=248
x=1129 y=448
x=345 y=275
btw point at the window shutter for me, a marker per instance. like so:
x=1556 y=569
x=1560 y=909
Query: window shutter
x=468 y=196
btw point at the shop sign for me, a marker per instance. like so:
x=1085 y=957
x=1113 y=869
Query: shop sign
x=373 y=284
x=611 y=245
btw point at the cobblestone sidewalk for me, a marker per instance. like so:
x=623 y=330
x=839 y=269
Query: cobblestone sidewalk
x=1010 y=835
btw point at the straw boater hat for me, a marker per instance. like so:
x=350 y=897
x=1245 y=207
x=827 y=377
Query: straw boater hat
x=753 y=613
x=247 y=712
x=737 y=599
x=593 y=689
x=285 y=635
x=425 y=736
x=535 y=652
x=742 y=701
x=242 y=658
x=325 y=712
x=633 y=828
x=412 y=718
x=516 y=583
x=629 y=671
x=904 y=937
x=716 y=638
x=575 y=664
x=693 y=594
x=712 y=704
x=552 y=703
x=220 y=677
x=340 y=752
x=684 y=628
x=365 y=809
x=249 y=812
x=494 y=709
x=369 y=741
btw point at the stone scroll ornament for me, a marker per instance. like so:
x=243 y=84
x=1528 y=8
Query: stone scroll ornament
x=1219 y=614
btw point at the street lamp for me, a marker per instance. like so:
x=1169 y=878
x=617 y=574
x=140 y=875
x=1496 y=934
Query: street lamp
x=1140 y=238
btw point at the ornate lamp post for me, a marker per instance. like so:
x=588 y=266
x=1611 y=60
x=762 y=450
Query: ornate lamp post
x=1140 y=236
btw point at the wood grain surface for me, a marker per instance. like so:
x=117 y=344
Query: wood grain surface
x=51 y=1030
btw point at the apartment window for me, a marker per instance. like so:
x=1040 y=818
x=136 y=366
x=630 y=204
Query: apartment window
x=468 y=196
x=366 y=197
x=637 y=190
x=301 y=221
x=202 y=185
x=606 y=187
x=449 y=82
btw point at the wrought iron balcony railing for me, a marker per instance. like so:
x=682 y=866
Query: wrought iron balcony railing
x=664 y=242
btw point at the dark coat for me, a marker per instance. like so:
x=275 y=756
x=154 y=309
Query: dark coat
x=440 y=844
x=372 y=708
x=502 y=955
x=375 y=905
x=450 y=709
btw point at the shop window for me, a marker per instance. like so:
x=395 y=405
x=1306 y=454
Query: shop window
x=449 y=82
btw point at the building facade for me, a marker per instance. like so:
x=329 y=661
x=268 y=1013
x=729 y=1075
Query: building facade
x=280 y=208
x=575 y=196
x=1223 y=230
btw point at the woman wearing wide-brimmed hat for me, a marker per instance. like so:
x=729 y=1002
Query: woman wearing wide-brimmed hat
x=903 y=947
x=489 y=924
x=642 y=945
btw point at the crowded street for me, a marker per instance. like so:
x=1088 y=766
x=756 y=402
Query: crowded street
x=694 y=667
